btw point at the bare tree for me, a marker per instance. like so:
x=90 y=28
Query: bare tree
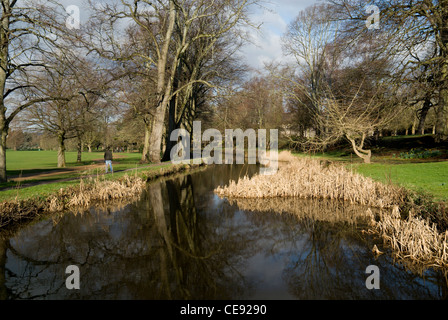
x=355 y=121
x=79 y=86
x=343 y=84
x=168 y=30
x=29 y=30
x=408 y=28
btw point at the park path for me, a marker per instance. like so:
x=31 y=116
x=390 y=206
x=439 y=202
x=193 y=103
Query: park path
x=60 y=171
x=21 y=180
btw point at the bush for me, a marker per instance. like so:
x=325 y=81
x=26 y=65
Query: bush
x=420 y=154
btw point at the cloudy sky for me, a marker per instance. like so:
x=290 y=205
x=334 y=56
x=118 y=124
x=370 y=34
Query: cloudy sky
x=266 y=44
x=275 y=17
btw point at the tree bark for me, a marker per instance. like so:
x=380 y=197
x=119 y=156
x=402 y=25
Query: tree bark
x=61 y=150
x=366 y=155
x=442 y=107
x=3 y=136
x=4 y=51
x=423 y=113
x=79 y=149
x=155 y=139
x=163 y=91
x=145 y=155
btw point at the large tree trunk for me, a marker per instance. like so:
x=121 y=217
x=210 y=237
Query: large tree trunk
x=155 y=140
x=4 y=51
x=145 y=155
x=79 y=149
x=3 y=136
x=442 y=108
x=423 y=113
x=61 y=150
x=163 y=91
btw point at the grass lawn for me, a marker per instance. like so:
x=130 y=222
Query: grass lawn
x=426 y=177
x=26 y=162
x=44 y=190
x=429 y=176
x=35 y=162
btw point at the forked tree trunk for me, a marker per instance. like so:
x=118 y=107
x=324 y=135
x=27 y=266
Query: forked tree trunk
x=366 y=155
x=163 y=90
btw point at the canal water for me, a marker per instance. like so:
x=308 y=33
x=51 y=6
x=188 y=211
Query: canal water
x=181 y=241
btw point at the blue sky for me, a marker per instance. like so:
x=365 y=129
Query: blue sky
x=275 y=16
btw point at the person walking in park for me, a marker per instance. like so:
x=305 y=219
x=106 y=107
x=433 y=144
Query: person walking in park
x=108 y=157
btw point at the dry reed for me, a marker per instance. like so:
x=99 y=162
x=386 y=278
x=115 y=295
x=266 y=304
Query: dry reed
x=412 y=239
x=96 y=190
x=90 y=192
x=311 y=178
x=321 y=210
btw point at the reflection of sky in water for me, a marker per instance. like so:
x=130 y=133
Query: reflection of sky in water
x=250 y=255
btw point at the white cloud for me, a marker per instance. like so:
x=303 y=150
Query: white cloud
x=275 y=18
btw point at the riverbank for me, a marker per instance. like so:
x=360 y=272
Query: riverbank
x=411 y=225
x=85 y=193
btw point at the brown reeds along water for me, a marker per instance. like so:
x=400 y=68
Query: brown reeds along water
x=181 y=241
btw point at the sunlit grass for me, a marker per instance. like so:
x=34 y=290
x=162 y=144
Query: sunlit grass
x=425 y=176
x=37 y=162
x=44 y=190
x=428 y=177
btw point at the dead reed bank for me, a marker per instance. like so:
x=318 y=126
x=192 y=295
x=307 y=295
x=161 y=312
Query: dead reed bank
x=323 y=210
x=411 y=237
x=88 y=192
x=311 y=178
x=414 y=241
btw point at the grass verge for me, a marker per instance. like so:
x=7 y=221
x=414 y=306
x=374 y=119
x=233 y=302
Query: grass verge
x=24 y=204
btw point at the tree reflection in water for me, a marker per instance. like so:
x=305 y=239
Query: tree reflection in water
x=180 y=241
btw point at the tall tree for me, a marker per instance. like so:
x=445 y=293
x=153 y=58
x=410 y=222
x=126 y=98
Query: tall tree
x=29 y=30
x=170 y=28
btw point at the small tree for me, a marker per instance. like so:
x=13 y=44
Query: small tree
x=354 y=120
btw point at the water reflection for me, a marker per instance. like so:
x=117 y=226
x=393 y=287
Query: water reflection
x=180 y=241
